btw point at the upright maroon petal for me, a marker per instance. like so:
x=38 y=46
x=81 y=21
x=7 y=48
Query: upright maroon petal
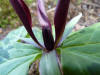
x=60 y=18
x=42 y=15
x=46 y=26
x=25 y=16
x=48 y=39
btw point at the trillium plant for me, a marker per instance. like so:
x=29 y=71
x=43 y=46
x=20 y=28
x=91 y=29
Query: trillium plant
x=58 y=50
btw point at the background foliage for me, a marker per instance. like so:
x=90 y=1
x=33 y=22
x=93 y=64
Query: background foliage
x=8 y=15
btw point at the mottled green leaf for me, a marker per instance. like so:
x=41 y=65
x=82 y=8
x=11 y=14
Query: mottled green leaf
x=80 y=52
x=20 y=50
x=17 y=66
x=4 y=55
x=15 y=57
x=20 y=57
x=13 y=36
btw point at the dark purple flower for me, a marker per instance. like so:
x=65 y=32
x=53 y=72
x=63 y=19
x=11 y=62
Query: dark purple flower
x=59 y=21
x=46 y=26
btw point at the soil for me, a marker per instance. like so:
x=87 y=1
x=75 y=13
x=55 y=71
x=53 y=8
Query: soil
x=89 y=8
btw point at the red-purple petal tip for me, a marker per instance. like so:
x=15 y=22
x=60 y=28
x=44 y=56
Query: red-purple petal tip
x=42 y=15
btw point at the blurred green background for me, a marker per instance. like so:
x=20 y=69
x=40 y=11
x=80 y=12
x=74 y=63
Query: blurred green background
x=8 y=16
x=9 y=19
